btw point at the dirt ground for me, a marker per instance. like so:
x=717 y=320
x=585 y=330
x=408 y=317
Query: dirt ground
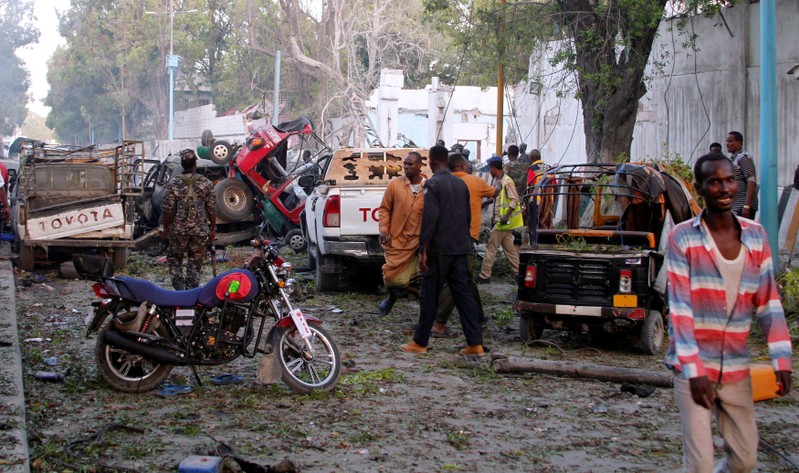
x=390 y=412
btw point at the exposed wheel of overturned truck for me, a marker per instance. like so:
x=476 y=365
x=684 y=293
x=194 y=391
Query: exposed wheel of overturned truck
x=221 y=152
x=207 y=138
x=126 y=371
x=234 y=200
x=653 y=333
x=295 y=240
x=530 y=328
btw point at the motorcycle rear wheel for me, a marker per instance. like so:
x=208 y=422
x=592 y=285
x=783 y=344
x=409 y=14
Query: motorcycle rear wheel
x=126 y=371
x=304 y=372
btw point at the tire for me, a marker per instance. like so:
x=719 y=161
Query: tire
x=325 y=282
x=66 y=270
x=221 y=152
x=311 y=258
x=530 y=329
x=295 y=240
x=25 y=255
x=125 y=371
x=207 y=138
x=652 y=333
x=120 y=258
x=303 y=375
x=234 y=199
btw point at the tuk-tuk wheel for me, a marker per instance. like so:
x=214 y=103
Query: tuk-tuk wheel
x=652 y=333
x=530 y=329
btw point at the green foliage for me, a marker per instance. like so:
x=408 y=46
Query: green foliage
x=674 y=165
x=605 y=44
x=789 y=287
x=113 y=64
x=458 y=439
x=16 y=31
x=504 y=317
x=480 y=42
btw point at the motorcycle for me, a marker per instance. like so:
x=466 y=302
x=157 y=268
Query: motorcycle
x=145 y=330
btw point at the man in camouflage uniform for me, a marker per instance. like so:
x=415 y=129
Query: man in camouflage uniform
x=189 y=222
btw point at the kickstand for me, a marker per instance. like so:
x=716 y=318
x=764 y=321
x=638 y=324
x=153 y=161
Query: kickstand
x=196 y=376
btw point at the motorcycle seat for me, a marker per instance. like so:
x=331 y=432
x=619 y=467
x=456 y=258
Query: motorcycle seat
x=141 y=290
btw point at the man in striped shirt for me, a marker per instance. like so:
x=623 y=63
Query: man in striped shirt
x=720 y=274
x=745 y=204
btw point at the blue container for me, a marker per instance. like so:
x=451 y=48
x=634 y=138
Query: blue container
x=200 y=464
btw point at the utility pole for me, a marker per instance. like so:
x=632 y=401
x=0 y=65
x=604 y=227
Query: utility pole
x=172 y=64
x=276 y=98
x=500 y=80
x=768 y=124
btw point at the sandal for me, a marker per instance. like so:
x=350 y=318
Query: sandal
x=170 y=390
x=227 y=379
x=447 y=333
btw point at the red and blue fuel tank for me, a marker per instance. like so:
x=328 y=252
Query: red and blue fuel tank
x=268 y=142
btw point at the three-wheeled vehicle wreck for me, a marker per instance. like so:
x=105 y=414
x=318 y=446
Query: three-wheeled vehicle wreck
x=597 y=238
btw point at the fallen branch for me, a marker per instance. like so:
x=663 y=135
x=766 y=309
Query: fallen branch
x=584 y=370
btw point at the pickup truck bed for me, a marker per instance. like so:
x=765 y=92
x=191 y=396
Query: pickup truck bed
x=341 y=217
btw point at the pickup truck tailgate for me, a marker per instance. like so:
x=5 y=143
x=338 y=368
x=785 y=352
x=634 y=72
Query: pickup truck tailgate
x=359 y=210
x=74 y=222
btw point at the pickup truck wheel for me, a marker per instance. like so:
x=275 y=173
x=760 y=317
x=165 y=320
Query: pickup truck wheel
x=234 y=199
x=325 y=282
x=652 y=333
x=120 y=258
x=311 y=258
x=25 y=255
x=530 y=329
x=221 y=152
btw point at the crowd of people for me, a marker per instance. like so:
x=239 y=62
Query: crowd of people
x=720 y=272
x=429 y=227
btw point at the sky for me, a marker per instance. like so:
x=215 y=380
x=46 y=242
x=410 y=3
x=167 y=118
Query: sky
x=37 y=55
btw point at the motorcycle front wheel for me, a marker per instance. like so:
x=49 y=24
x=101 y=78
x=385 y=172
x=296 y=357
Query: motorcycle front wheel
x=304 y=371
x=126 y=371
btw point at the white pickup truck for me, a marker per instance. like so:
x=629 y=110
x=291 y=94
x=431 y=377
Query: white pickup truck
x=341 y=215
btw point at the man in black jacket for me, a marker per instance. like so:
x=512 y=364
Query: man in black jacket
x=444 y=244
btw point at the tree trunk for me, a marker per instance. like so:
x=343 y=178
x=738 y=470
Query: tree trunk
x=610 y=61
x=584 y=370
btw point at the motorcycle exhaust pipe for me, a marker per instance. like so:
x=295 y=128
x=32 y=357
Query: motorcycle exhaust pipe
x=149 y=352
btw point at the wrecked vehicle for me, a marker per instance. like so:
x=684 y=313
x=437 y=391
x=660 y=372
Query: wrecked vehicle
x=149 y=205
x=258 y=174
x=599 y=268
x=69 y=199
x=341 y=214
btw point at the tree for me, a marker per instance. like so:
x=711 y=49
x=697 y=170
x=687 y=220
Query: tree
x=608 y=43
x=340 y=51
x=115 y=56
x=16 y=31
